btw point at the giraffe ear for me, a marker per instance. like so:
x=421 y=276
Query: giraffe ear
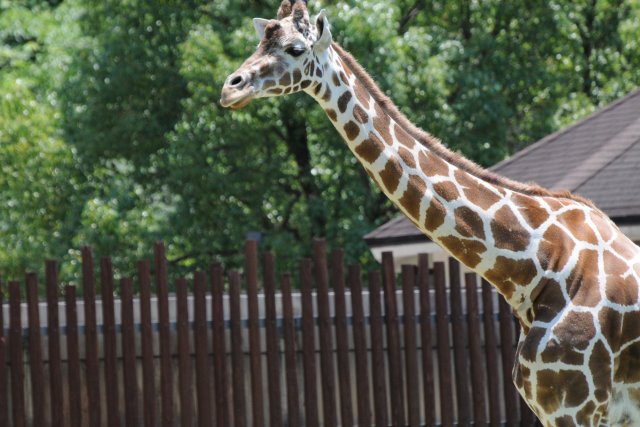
x=260 y=24
x=324 y=33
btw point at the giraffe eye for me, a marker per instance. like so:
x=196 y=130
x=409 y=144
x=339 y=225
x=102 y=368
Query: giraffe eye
x=295 y=51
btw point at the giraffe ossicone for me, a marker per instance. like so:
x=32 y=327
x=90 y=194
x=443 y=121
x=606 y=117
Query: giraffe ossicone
x=570 y=275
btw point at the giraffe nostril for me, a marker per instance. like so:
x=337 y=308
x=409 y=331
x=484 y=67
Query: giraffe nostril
x=236 y=81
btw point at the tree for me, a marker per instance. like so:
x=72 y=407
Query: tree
x=111 y=134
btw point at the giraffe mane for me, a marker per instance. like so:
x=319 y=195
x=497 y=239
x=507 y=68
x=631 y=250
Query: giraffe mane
x=437 y=147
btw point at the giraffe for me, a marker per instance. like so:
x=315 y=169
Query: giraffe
x=569 y=274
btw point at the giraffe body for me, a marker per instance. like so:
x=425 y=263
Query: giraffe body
x=570 y=275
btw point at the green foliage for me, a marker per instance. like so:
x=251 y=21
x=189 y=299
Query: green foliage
x=111 y=134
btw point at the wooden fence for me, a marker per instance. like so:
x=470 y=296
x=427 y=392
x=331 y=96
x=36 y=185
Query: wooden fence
x=425 y=350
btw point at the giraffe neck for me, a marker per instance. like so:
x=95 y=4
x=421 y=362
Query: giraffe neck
x=475 y=220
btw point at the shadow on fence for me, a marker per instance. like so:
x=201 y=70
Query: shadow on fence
x=428 y=350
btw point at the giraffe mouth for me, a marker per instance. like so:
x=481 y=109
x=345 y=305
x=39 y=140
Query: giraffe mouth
x=235 y=99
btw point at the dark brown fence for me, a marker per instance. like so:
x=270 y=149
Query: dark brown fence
x=245 y=349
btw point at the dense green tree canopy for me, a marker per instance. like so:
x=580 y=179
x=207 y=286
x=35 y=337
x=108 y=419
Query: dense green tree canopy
x=111 y=134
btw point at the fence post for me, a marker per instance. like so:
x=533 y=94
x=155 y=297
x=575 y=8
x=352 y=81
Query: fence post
x=15 y=349
x=396 y=388
x=273 y=350
x=377 y=352
x=491 y=358
x=308 y=346
x=35 y=350
x=166 y=377
x=410 y=347
x=475 y=350
x=73 y=354
x=4 y=389
x=444 y=349
x=130 y=376
x=424 y=281
x=459 y=345
x=255 y=355
x=146 y=342
x=360 y=347
x=508 y=357
x=324 y=332
x=342 y=338
x=184 y=358
x=237 y=355
x=110 y=343
x=220 y=378
x=92 y=367
x=53 y=325
x=201 y=341
x=290 y=360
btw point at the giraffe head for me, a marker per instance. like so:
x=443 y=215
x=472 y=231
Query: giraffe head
x=287 y=60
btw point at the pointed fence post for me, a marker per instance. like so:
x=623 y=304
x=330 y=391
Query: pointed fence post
x=53 y=326
x=35 y=350
x=396 y=388
x=92 y=366
x=73 y=355
x=324 y=331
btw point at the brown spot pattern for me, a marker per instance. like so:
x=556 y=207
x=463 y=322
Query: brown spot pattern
x=555 y=249
x=344 y=79
x=391 y=174
x=343 y=101
x=370 y=148
x=600 y=366
x=335 y=78
x=403 y=137
x=530 y=209
x=297 y=76
x=433 y=165
x=362 y=94
x=624 y=247
x=576 y=330
x=435 y=215
x=352 y=130
x=619 y=289
x=602 y=225
x=628 y=365
x=285 y=80
x=576 y=222
x=475 y=191
x=508 y=273
x=407 y=157
x=332 y=114
x=447 y=190
x=469 y=223
x=360 y=114
x=327 y=95
x=611 y=326
x=548 y=300
x=413 y=195
x=565 y=387
x=529 y=349
x=268 y=84
x=466 y=250
x=584 y=279
x=381 y=123
x=507 y=231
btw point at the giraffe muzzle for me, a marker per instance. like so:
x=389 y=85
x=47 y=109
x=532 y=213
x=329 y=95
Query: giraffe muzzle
x=236 y=92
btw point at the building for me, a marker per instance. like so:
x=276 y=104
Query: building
x=597 y=158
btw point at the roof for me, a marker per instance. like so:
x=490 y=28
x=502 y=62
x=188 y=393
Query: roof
x=597 y=158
